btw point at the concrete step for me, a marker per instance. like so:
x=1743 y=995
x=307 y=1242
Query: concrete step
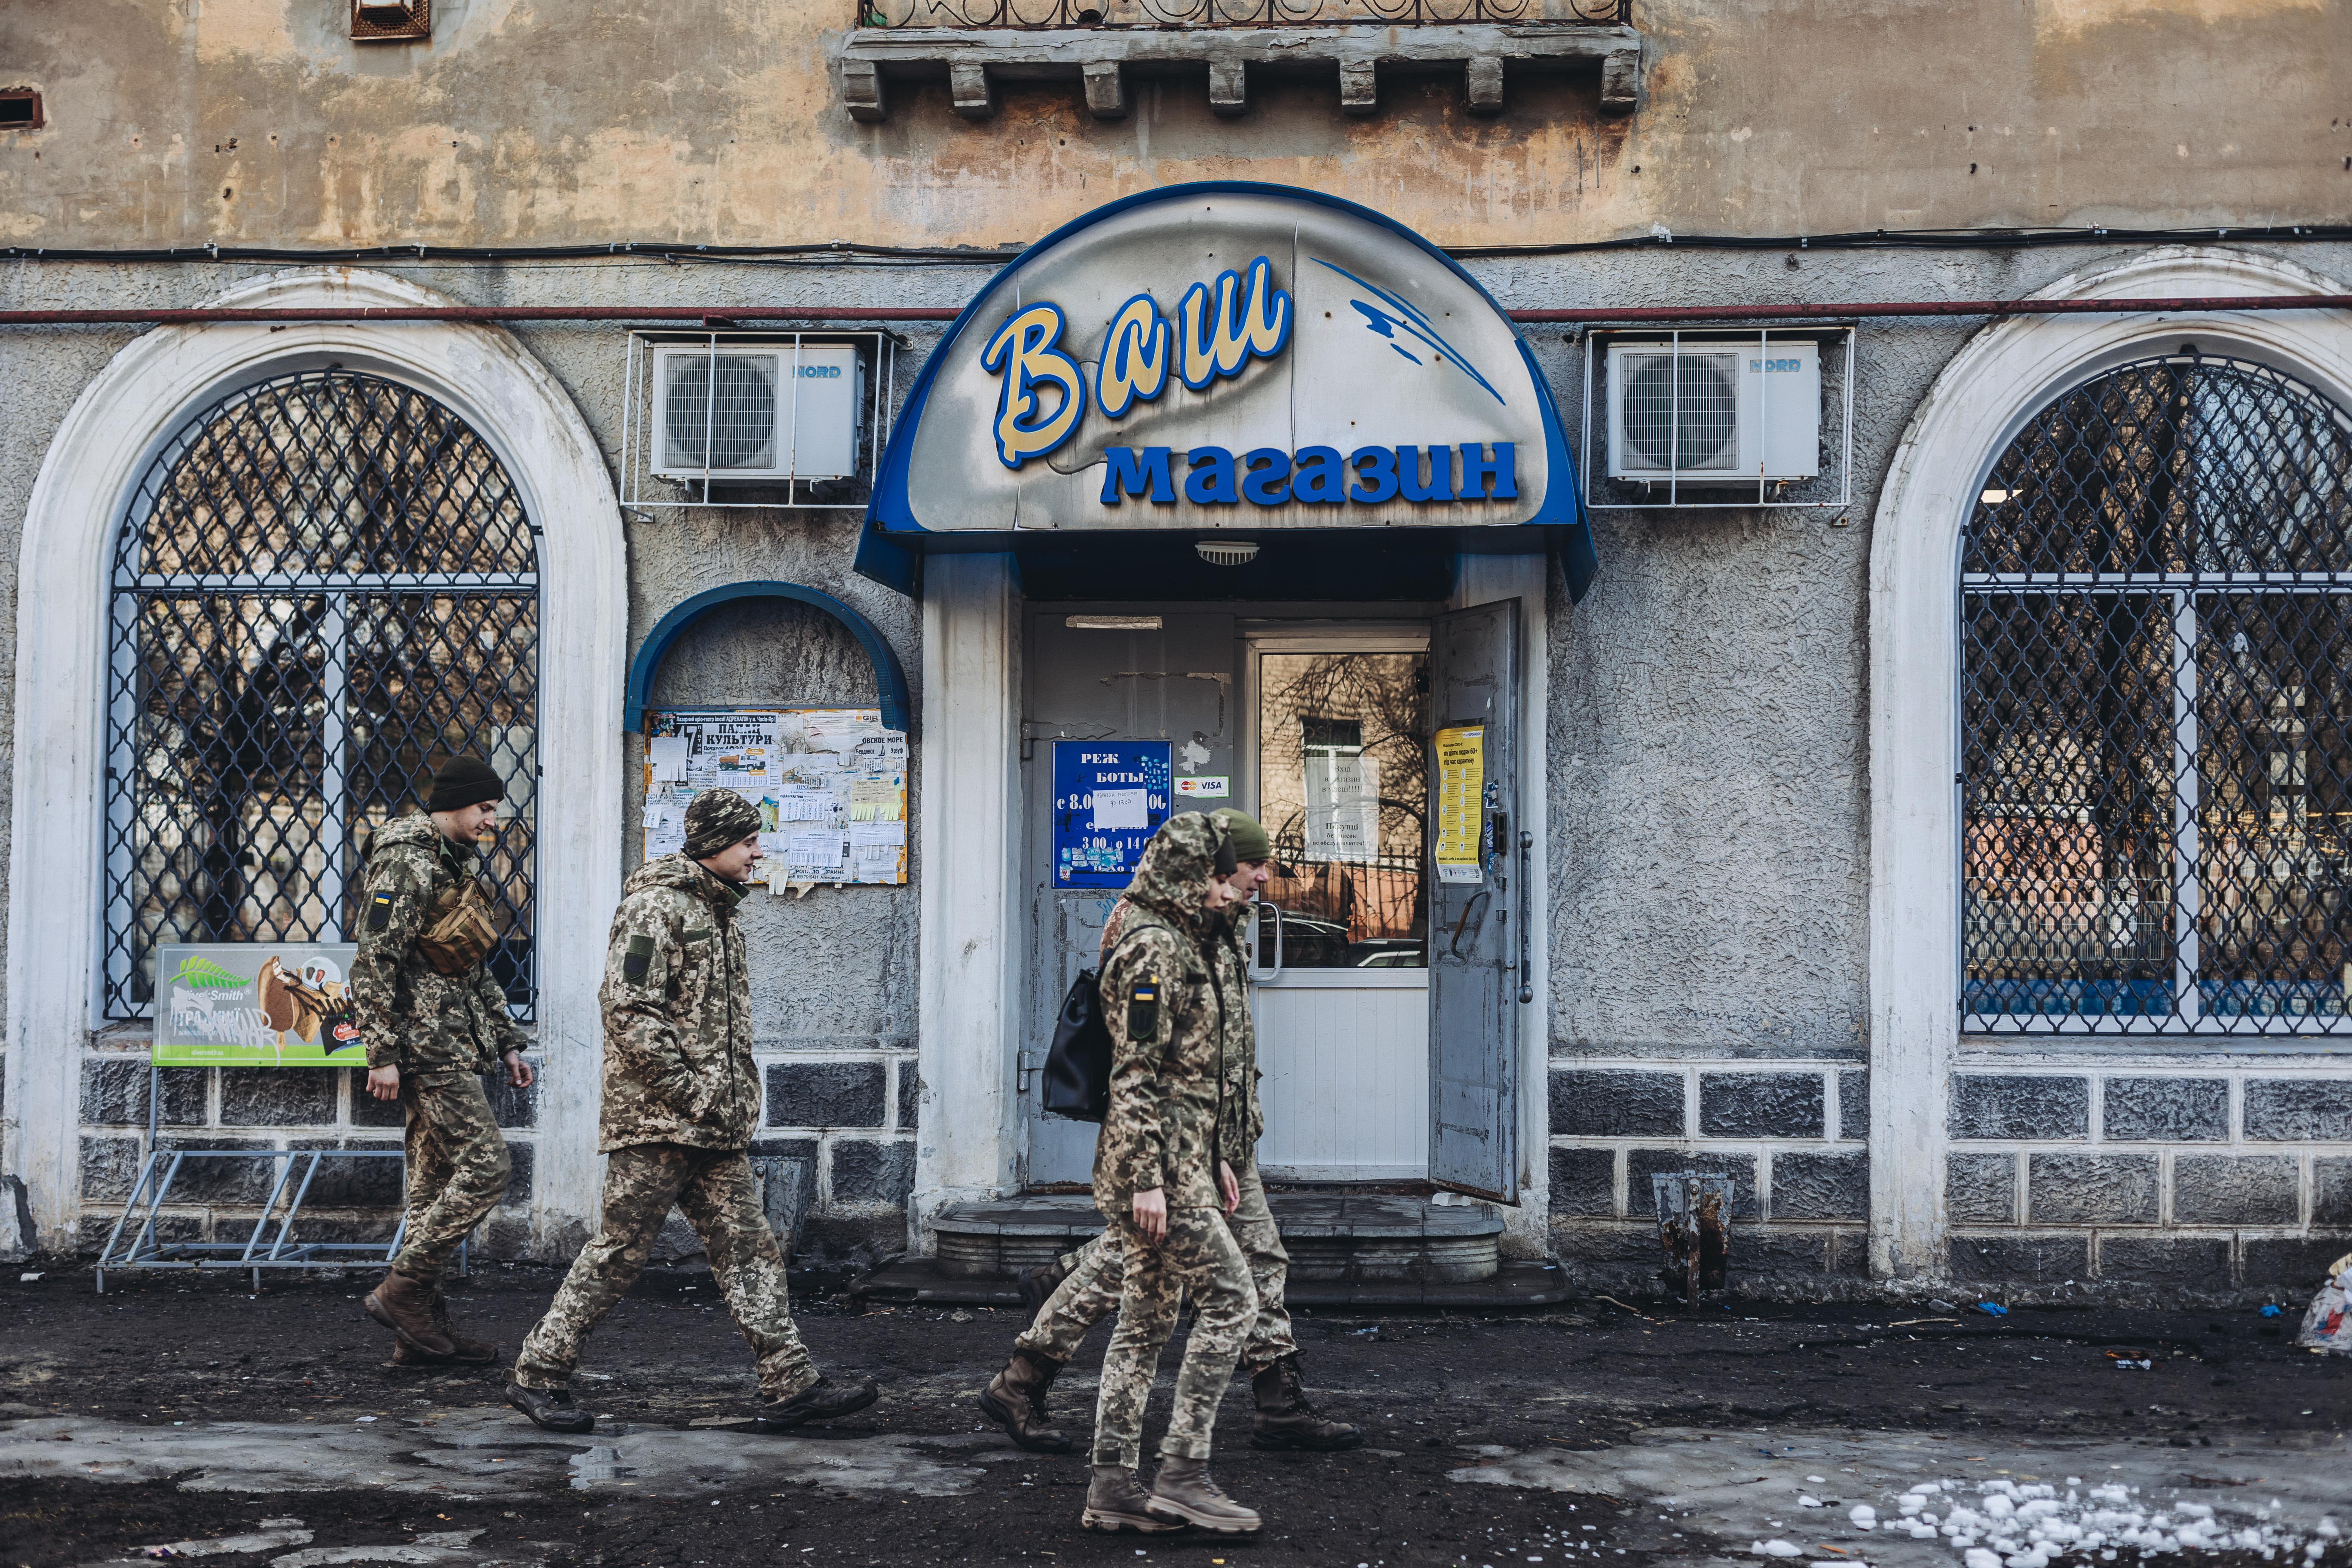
x=1338 y=1238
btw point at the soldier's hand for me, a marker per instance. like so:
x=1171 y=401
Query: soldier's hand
x=1151 y=1214
x=384 y=1082
x=1230 y=1187
x=519 y=1071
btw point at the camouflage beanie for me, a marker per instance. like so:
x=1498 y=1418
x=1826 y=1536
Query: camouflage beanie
x=717 y=819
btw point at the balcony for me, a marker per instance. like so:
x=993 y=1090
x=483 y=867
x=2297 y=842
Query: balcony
x=1099 y=44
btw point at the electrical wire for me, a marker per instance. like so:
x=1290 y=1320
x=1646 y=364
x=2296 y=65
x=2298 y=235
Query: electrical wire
x=413 y=252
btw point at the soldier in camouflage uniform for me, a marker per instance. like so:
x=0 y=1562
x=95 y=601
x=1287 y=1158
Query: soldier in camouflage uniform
x=681 y=1096
x=1068 y=1297
x=1156 y=1179
x=433 y=1021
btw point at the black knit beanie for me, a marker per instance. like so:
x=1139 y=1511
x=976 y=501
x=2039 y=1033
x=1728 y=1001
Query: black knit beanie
x=463 y=782
x=716 y=818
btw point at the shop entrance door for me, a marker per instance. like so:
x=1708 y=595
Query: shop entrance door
x=1336 y=759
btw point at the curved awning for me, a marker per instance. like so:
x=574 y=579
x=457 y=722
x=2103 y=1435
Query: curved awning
x=1228 y=357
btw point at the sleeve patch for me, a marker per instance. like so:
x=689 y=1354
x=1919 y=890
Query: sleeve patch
x=379 y=912
x=640 y=957
x=1143 y=1009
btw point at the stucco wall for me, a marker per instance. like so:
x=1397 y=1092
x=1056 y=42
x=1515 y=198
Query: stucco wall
x=717 y=121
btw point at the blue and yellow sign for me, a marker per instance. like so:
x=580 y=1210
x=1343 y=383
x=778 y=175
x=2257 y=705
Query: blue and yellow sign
x=1109 y=798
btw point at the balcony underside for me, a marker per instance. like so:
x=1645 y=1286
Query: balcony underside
x=1100 y=60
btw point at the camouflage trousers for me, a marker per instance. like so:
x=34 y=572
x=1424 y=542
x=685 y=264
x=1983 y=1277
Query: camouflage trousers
x=458 y=1167
x=1199 y=1255
x=713 y=1188
x=1090 y=1293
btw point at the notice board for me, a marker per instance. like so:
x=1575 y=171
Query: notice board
x=830 y=783
x=1109 y=798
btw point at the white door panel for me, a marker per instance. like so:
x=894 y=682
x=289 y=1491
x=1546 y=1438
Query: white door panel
x=1347 y=1080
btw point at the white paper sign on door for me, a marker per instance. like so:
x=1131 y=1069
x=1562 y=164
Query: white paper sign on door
x=1120 y=808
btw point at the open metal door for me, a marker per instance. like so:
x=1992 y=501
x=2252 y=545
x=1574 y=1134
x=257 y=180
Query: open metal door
x=1477 y=910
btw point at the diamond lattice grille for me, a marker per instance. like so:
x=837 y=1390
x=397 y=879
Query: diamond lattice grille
x=2156 y=771
x=324 y=587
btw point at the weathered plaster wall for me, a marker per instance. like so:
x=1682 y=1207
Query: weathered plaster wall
x=182 y=121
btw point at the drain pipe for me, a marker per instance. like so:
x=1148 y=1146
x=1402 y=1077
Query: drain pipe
x=724 y=316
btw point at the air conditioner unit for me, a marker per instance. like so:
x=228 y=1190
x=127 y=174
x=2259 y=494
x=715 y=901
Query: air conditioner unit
x=1715 y=412
x=756 y=411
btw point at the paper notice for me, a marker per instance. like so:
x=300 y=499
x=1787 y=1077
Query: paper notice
x=667 y=754
x=798 y=805
x=1461 y=783
x=872 y=832
x=874 y=862
x=1120 y=808
x=875 y=800
x=813 y=856
x=746 y=771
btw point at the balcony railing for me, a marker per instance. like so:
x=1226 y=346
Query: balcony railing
x=1138 y=14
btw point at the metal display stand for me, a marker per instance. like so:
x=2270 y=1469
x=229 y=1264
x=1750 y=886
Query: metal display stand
x=161 y=1168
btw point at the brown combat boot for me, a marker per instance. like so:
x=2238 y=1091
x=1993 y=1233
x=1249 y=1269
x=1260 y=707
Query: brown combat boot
x=1183 y=1491
x=1116 y=1500
x=1015 y=1400
x=404 y=1305
x=1285 y=1419
x=463 y=1351
x=1041 y=1282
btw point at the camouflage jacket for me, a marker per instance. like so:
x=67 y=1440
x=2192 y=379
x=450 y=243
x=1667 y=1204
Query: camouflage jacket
x=410 y=1015
x=1241 y=1120
x=678 y=1014
x=1169 y=1001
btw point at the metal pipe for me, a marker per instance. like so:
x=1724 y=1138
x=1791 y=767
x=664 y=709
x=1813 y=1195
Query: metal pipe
x=709 y=317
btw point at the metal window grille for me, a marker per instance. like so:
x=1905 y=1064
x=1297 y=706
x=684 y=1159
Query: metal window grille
x=325 y=586
x=2156 y=710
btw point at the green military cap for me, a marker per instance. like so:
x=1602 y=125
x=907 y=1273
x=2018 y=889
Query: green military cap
x=1249 y=839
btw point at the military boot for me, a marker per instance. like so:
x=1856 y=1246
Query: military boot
x=1015 y=1400
x=821 y=1400
x=549 y=1409
x=1285 y=1419
x=463 y=1351
x=1183 y=1491
x=1116 y=1500
x=1040 y=1283
x=408 y=1356
x=404 y=1305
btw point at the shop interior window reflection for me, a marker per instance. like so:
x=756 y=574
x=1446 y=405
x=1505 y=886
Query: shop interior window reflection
x=1343 y=791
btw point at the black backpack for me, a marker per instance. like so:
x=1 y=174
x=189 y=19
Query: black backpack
x=1077 y=1065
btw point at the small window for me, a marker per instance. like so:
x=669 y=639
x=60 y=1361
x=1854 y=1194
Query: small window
x=375 y=21
x=20 y=109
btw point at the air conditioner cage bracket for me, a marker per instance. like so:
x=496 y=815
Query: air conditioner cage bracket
x=647 y=494
x=1689 y=489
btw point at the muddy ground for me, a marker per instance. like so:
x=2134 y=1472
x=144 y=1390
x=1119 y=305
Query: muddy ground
x=197 y=1416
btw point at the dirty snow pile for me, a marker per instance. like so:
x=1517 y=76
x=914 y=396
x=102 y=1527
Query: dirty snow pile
x=2014 y=1525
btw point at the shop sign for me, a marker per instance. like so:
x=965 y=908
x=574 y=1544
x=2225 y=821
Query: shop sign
x=1228 y=356
x=1109 y=798
x=278 y=1003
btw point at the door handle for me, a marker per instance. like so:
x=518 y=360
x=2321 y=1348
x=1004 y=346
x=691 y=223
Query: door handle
x=1527 y=965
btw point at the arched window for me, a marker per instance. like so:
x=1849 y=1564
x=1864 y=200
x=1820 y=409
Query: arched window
x=325 y=585
x=2156 y=709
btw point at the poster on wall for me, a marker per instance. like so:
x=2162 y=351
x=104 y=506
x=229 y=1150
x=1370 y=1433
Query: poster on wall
x=255 y=1003
x=1461 y=784
x=830 y=783
x=1109 y=798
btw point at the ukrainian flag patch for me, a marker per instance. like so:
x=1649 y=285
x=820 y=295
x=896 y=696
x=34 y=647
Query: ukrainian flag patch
x=379 y=912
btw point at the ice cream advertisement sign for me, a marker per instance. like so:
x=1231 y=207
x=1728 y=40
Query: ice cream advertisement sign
x=254 y=1004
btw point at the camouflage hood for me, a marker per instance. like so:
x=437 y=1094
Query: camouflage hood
x=1180 y=857
x=416 y=831
x=682 y=875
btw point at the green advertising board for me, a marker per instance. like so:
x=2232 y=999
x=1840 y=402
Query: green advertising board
x=256 y=1004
